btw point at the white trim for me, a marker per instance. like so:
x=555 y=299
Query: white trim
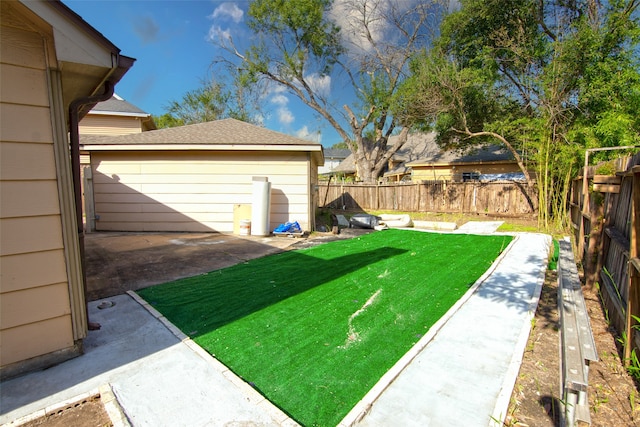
x=200 y=147
x=72 y=43
x=118 y=113
x=71 y=243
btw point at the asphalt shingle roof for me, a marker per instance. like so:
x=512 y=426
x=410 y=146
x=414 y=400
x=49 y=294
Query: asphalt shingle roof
x=219 y=132
x=115 y=105
x=421 y=148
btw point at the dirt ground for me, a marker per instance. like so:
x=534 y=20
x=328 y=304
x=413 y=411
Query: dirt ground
x=85 y=413
x=535 y=400
x=150 y=259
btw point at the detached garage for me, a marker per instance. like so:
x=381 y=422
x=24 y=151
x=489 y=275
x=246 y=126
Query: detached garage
x=200 y=178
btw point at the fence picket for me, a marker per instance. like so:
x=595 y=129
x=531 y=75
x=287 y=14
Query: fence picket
x=505 y=198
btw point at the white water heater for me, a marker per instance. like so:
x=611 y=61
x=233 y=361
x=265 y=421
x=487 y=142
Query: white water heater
x=261 y=206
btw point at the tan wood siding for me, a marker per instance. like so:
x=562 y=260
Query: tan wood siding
x=24 y=85
x=29 y=123
x=109 y=125
x=18 y=271
x=34 y=297
x=21 y=47
x=32 y=339
x=28 y=198
x=26 y=161
x=449 y=172
x=180 y=191
x=45 y=302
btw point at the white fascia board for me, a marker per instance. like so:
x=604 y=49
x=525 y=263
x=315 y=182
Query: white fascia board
x=118 y=113
x=73 y=44
x=200 y=147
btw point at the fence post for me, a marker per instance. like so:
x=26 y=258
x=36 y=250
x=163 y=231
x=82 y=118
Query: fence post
x=633 y=304
x=585 y=204
x=595 y=236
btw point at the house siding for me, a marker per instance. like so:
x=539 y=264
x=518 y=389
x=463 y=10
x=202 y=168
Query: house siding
x=451 y=172
x=109 y=125
x=35 y=311
x=195 y=191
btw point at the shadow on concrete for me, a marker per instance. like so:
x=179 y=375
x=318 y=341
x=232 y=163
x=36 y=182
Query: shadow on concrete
x=133 y=344
x=120 y=262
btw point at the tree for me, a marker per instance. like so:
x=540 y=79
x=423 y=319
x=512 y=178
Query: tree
x=305 y=44
x=212 y=101
x=340 y=145
x=547 y=79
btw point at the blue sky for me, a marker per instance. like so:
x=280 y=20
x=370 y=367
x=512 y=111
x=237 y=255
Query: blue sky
x=170 y=41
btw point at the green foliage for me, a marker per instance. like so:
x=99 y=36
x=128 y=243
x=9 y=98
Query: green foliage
x=633 y=363
x=291 y=38
x=211 y=101
x=339 y=145
x=550 y=78
x=606 y=168
x=167 y=121
x=553 y=260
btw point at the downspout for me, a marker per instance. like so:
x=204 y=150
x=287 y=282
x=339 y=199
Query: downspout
x=74 y=137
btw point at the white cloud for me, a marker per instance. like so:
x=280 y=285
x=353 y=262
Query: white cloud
x=279 y=99
x=304 y=133
x=319 y=84
x=285 y=116
x=350 y=17
x=216 y=33
x=228 y=11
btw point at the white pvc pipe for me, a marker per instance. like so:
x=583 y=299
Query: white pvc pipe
x=261 y=206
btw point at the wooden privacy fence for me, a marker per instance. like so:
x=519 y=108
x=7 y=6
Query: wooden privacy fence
x=607 y=227
x=504 y=198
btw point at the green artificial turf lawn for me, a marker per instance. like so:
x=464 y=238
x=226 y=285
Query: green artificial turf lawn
x=314 y=329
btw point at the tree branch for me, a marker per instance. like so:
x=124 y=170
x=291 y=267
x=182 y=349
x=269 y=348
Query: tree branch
x=506 y=143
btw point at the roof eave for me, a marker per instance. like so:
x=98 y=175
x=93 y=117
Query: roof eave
x=201 y=147
x=454 y=163
x=118 y=113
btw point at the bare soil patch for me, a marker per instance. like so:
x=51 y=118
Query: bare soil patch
x=88 y=412
x=612 y=392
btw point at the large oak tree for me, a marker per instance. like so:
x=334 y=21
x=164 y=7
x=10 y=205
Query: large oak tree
x=364 y=44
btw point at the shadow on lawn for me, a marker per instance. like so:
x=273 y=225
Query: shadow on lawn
x=204 y=303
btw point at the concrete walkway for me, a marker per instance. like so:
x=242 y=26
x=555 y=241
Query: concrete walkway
x=462 y=377
x=466 y=373
x=157 y=379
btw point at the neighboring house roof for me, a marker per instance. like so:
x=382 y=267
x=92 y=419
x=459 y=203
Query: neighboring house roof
x=225 y=134
x=417 y=146
x=421 y=149
x=485 y=154
x=118 y=106
x=336 y=153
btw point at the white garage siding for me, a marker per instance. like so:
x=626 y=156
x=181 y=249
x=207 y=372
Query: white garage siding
x=196 y=191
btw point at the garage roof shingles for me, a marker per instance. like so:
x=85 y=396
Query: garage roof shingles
x=219 y=132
